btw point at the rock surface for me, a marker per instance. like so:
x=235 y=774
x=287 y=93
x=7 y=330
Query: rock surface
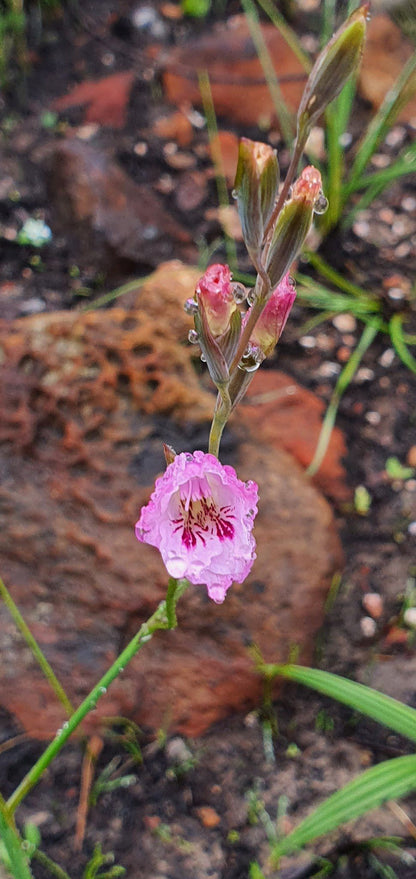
x=96 y=202
x=85 y=402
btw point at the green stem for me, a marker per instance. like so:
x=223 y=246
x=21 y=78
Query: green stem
x=164 y=617
x=217 y=428
x=350 y=368
x=49 y=864
x=35 y=649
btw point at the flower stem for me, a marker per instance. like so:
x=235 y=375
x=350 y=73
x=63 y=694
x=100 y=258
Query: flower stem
x=34 y=647
x=164 y=617
x=217 y=428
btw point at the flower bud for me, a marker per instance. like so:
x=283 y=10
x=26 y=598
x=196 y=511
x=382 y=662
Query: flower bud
x=256 y=184
x=272 y=320
x=333 y=67
x=293 y=224
x=214 y=294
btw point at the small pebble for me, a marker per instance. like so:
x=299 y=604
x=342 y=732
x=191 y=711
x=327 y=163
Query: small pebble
x=329 y=369
x=368 y=627
x=208 y=816
x=395 y=136
x=409 y=203
x=409 y=617
x=373 y=604
x=177 y=751
x=364 y=374
x=307 y=341
x=387 y=357
x=32 y=306
x=411 y=456
x=344 y=323
x=373 y=418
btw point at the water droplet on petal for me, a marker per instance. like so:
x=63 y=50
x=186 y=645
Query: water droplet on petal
x=239 y=293
x=191 y=307
x=321 y=204
x=193 y=337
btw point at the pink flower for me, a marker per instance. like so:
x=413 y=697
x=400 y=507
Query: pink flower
x=215 y=293
x=272 y=320
x=200 y=517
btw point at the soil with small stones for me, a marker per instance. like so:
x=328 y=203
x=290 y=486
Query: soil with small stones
x=206 y=808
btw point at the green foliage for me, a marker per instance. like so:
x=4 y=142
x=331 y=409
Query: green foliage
x=96 y=867
x=196 y=8
x=396 y=470
x=391 y=779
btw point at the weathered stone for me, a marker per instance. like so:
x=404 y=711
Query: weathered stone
x=239 y=90
x=94 y=200
x=86 y=401
x=106 y=99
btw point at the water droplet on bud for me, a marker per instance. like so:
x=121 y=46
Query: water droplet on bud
x=193 y=337
x=249 y=366
x=321 y=204
x=239 y=293
x=251 y=296
x=234 y=193
x=191 y=307
x=203 y=358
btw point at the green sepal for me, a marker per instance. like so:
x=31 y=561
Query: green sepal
x=289 y=233
x=256 y=184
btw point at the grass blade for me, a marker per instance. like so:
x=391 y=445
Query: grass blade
x=398 y=96
x=397 y=337
x=391 y=713
x=344 y=379
x=389 y=780
x=282 y=112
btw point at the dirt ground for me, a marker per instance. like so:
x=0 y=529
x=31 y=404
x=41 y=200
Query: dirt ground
x=199 y=808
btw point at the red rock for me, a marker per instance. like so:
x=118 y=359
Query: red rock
x=106 y=100
x=94 y=200
x=174 y=126
x=224 y=153
x=236 y=76
x=85 y=402
x=289 y=417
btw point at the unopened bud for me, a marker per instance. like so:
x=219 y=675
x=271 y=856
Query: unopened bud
x=256 y=185
x=272 y=320
x=214 y=294
x=333 y=67
x=293 y=224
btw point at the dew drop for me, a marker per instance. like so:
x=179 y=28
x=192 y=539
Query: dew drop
x=234 y=193
x=193 y=337
x=65 y=725
x=146 y=638
x=250 y=366
x=203 y=358
x=321 y=204
x=58 y=733
x=121 y=669
x=103 y=690
x=239 y=293
x=251 y=296
x=191 y=307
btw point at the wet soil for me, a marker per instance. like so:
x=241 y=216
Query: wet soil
x=200 y=808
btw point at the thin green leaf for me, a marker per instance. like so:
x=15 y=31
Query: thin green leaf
x=344 y=379
x=378 y=706
x=18 y=862
x=397 y=337
x=389 y=780
x=282 y=111
x=286 y=32
x=398 y=96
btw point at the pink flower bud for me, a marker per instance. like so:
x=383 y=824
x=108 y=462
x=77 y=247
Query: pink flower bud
x=200 y=517
x=272 y=320
x=214 y=293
